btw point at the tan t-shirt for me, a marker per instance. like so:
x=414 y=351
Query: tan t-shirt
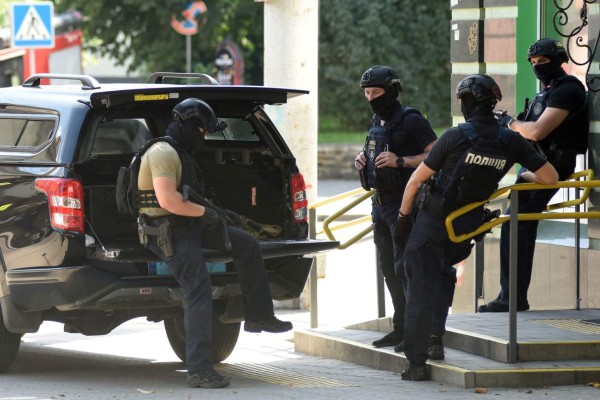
x=160 y=160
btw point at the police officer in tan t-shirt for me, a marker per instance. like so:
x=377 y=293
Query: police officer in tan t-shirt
x=165 y=168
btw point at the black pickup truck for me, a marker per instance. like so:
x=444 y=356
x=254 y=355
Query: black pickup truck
x=66 y=253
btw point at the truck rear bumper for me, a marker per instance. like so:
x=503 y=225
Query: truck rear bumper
x=88 y=288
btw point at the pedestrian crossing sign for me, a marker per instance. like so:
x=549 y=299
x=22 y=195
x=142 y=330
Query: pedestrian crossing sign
x=31 y=24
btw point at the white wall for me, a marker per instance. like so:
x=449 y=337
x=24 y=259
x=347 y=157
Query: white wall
x=291 y=61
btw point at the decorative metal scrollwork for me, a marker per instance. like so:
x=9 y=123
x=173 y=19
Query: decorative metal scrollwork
x=473 y=37
x=560 y=20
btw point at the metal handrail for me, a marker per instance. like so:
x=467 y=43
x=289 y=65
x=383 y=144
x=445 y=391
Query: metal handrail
x=337 y=197
x=514 y=217
x=588 y=184
x=328 y=231
x=313 y=277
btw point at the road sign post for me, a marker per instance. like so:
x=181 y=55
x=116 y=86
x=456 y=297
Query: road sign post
x=32 y=27
x=189 y=26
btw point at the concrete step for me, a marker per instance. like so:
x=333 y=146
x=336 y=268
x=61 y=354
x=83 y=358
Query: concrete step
x=540 y=341
x=497 y=349
x=548 y=355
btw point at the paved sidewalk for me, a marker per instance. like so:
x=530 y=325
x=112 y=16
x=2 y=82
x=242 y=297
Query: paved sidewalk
x=136 y=362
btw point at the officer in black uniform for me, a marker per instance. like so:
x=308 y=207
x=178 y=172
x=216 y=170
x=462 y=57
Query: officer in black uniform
x=556 y=122
x=429 y=253
x=164 y=170
x=398 y=140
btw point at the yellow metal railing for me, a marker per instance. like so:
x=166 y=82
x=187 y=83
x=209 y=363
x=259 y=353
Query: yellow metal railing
x=328 y=230
x=312 y=212
x=572 y=182
x=514 y=217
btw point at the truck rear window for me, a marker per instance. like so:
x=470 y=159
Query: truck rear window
x=238 y=129
x=26 y=131
x=127 y=135
x=120 y=136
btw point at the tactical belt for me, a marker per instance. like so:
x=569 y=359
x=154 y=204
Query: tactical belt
x=384 y=198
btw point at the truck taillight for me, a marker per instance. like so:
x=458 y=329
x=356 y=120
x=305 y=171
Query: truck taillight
x=65 y=201
x=299 y=201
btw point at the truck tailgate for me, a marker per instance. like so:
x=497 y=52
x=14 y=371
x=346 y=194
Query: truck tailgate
x=133 y=252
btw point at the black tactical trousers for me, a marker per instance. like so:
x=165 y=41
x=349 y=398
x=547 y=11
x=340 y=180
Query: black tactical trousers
x=389 y=256
x=530 y=201
x=189 y=269
x=431 y=280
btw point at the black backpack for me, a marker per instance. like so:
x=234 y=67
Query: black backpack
x=479 y=170
x=128 y=197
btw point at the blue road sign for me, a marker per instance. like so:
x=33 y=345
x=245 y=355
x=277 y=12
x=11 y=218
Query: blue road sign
x=31 y=24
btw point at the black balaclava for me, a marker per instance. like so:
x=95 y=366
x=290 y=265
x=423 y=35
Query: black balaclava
x=548 y=71
x=385 y=104
x=188 y=136
x=470 y=107
x=187 y=133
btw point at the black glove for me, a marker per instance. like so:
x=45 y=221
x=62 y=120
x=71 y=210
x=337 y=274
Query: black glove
x=211 y=218
x=233 y=218
x=402 y=230
x=488 y=215
x=503 y=118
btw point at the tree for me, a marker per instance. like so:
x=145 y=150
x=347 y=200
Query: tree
x=138 y=34
x=411 y=37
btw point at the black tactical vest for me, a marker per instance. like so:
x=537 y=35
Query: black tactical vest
x=479 y=170
x=562 y=138
x=385 y=179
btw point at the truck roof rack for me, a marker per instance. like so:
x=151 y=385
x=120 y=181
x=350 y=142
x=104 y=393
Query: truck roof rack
x=87 y=82
x=158 y=77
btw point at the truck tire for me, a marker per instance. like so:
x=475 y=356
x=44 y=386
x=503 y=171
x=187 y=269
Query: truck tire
x=224 y=337
x=9 y=346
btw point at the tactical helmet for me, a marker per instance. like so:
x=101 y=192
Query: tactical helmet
x=199 y=110
x=482 y=87
x=549 y=48
x=380 y=76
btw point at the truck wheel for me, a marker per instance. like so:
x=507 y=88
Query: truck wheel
x=9 y=346
x=224 y=337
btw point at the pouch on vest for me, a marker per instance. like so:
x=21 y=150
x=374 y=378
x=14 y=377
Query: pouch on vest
x=379 y=140
x=363 y=173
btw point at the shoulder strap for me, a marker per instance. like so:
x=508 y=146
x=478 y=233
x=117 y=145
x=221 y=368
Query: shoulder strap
x=565 y=79
x=504 y=135
x=468 y=130
x=571 y=78
x=405 y=111
x=150 y=142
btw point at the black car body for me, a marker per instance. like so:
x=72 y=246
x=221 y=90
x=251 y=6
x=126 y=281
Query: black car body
x=67 y=255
